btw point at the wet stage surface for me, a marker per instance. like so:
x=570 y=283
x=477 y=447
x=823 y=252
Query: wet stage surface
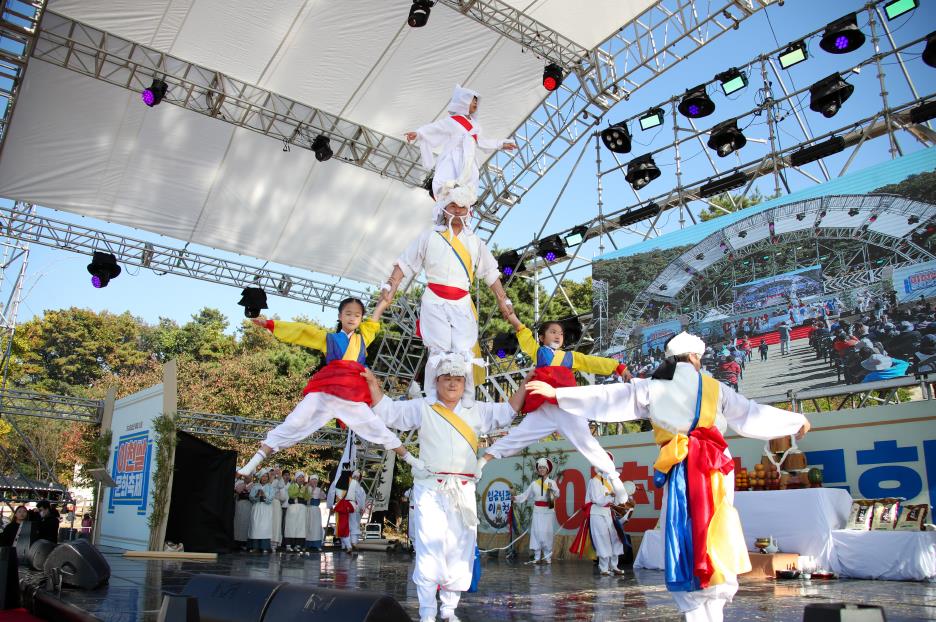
x=508 y=591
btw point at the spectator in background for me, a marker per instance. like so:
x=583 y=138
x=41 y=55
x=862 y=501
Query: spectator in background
x=784 y=331
x=729 y=372
x=87 y=525
x=242 y=510
x=20 y=516
x=843 y=342
x=882 y=367
x=905 y=344
x=48 y=521
x=746 y=347
x=925 y=356
x=762 y=348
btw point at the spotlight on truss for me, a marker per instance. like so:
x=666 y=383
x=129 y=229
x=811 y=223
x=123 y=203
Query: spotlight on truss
x=551 y=248
x=616 y=138
x=929 y=52
x=896 y=8
x=154 y=94
x=552 y=77
x=651 y=119
x=576 y=236
x=696 y=103
x=726 y=138
x=103 y=268
x=794 y=54
x=253 y=299
x=419 y=13
x=828 y=95
x=322 y=148
x=641 y=171
x=842 y=36
x=505 y=344
x=634 y=216
x=818 y=151
x=732 y=80
x=509 y=263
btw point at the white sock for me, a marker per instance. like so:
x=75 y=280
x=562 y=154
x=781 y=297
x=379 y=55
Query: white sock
x=251 y=466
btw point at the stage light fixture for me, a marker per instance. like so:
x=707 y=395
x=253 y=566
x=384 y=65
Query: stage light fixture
x=427 y=186
x=923 y=113
x=419 y=13
x=616 y=138
x=818 y=151
x=801 y=216
x=634 y=216
x=723 y=184
x=505 y=344
x=828 y=95
x=103 y=268
x=696 y=103
x=794 y=54
x=323 y=150
x=551 y=248
x=929 y=52
x=853 y=212
x=552 y=77
x=576 y=236
x=700 y=256
x=641 y=171
x=842 y=36
x=732 y=80
x=253 y=299
x=742 y=234
x=914 y=219
x=154 y=94
x=896 y=8
x=509 y=263
x=726 y=138
x=651 y=119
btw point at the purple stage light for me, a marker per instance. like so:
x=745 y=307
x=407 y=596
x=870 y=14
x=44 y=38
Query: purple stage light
x=501 y=354
x=149 y=98
x=96 y=282
x=508 y=271
x=550 y=256
x=841 y=42
x=693 y=110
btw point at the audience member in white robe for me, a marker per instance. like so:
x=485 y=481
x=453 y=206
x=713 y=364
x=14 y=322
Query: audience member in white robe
x=543 y=492
x=242 y=509
x=314 y=533
x=279 y=497
x=360 y=500
x=604 y=536
x=670 y=399
x=444 y=484
x=451 y=256
x=295 y=531
x=261 y=515
x=457 y=138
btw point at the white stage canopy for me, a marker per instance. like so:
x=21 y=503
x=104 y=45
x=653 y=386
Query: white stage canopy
x=84 y=146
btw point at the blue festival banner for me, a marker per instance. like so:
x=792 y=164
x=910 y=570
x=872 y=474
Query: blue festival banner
x=131 y=471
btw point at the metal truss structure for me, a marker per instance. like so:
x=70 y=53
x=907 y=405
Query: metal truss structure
x=639 y=52
x=19 y=21
x=92 y=52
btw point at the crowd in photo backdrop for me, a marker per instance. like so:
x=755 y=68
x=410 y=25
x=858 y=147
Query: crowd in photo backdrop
x=48 y=522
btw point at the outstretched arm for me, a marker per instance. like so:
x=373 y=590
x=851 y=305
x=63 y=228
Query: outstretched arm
x=299 y=333
x=605 y=403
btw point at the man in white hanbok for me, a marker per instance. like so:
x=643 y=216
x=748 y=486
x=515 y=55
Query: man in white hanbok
x=360 y=500
x=604 y=536
x=689 y=413
x=443 y=498
x=543 y=492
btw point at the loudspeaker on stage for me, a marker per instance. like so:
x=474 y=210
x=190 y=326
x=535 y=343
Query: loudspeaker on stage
x=80 y=565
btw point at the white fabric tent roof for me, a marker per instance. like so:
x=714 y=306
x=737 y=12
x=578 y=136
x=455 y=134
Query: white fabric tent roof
x=84 y=146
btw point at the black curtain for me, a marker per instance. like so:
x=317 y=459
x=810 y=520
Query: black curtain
x=201 y=512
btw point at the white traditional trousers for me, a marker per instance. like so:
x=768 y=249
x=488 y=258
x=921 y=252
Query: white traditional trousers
x=447 y=328
x=605 y=539
x=542 y=530
x=546 y=420
x=317 y=409
x=444 y=551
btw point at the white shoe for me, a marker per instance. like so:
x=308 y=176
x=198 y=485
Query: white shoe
x=427 y=619
x=547 y=561
x=618 y=571
x=605 y=573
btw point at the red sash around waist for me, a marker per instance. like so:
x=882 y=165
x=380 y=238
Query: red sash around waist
x=554 y=375
x=541 y=504
x=341 y=379
x=447 y=291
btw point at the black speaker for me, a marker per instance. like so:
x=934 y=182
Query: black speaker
x=843 y=612
x=26 y=535
x=230 y=599
x=178 y=609
x=80 y=564
x=9 y=578
x=38 y=553
x=306 y=603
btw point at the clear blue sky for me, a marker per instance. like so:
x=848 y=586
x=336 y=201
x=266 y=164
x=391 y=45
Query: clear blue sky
x=58 y=278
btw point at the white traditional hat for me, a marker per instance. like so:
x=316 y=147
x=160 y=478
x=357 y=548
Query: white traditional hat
x=356 y=473
x=299 y=474
x=461 y=100
x=684 y=343
x=452 y=365
x=545 y=462
x=312 y=477
x=451 y=192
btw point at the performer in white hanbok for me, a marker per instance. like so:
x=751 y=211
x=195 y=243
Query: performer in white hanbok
x=261 y=515
x=705 y=548
x=543 y=491
x=345 y=501
x=360 y=499
x=314 y=533
x=451 y=256
x=279 y=497
x=295 y=531
x=242 y=507
x=444 y=485
x=457 y=139
x=604 y=537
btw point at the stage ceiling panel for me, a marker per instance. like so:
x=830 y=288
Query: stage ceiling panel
x=83 y=146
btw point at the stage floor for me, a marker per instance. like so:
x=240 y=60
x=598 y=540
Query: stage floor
x=562 y=591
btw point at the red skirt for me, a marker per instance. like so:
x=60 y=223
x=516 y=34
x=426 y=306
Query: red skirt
x=342 y=379
x=554 y=375
x=343 y=509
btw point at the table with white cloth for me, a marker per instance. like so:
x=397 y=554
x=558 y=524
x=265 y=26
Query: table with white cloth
x=893 y=555
x=801 y=521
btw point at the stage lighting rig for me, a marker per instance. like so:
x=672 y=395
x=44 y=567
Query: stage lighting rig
x=696 y=103
x=828 y=95
x=509 y=263
x=641 y=213
x=551 y=248
x=794 y=54
x=154 y=94
x=929 y=52
x=896 y=8
x=552 y=77
x=505 y=344
x=576 y=236
x=641 y=171
x=653 y=118
x=924 y=112
x=322 y=148
x=616 y=138
x=419 y=13
x=253 y=299
x=723 y=184
x=726 y=138
x=842 y=36
x=818 y=151
x=732 y=80
x=103 y=268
